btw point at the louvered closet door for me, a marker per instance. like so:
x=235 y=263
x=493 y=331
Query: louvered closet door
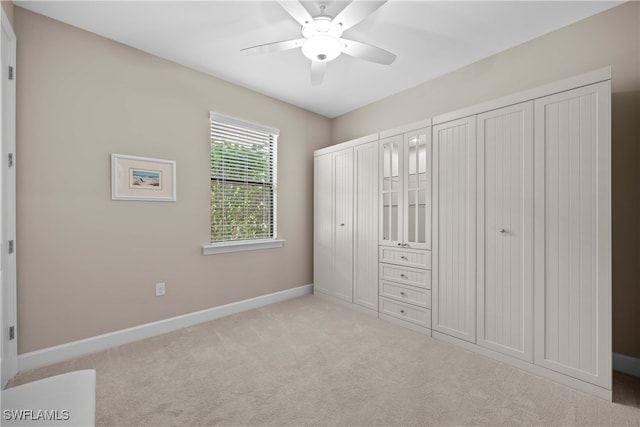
x=343 y=225
x=365 y=267
x=505 y=230
x=323 y=223
x=573 y=233
x=454 y=230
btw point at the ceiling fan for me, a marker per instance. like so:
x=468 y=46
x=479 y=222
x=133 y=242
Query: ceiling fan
x=322 y=40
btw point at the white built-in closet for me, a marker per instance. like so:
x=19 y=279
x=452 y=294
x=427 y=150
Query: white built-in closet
x=487 y=227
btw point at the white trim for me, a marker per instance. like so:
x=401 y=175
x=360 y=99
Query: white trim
x=626 y=364
x=347 y=144
x=409 y=127
x=540 y=371
x=8 y=310
x=240 y=246
x=59 y=353
x=585 y=79
x=404 y=324
x=350 y=305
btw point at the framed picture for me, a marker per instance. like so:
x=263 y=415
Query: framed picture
x=142 y=178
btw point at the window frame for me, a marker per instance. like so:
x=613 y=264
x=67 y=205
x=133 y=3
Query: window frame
x=225 y=246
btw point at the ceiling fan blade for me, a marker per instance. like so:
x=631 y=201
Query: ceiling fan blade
x=318 y=69
x=367 y=52
x=274 y=47
x=297 y=11
x=355 y=12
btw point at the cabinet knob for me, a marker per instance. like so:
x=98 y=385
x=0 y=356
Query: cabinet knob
x=404 y=276
x=402 y=312
x=404 y=258
x=403 y=294
x=502 y=230
x=399 y=244
x=342 y=224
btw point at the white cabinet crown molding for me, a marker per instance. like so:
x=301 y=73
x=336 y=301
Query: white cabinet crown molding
x=347 y=144
x=574 y=82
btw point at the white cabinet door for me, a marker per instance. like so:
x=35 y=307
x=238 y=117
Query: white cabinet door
x=417 y=189
x=391 y=174
x=323 y=223
x=365 y=263
x=573 y=233
x=333 y=224
x=405 y=171
x=454 y=231
x=343 y=225
x=505 y=230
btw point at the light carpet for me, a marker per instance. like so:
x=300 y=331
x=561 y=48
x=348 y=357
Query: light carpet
x=312 y=362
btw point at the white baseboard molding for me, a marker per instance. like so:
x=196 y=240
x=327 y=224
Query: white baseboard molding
x=548 y=374
x=626 y=364
x=62 y=352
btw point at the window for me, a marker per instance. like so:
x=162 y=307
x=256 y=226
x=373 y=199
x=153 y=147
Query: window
x=243 y=185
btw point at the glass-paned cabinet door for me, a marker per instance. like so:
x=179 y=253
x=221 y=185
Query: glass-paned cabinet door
x=417 y=189
x=391 y=190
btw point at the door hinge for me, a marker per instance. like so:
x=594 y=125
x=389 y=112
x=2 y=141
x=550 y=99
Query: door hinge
x=10 y=160
x=10 y=72
x=12 y=333
x=11 y=249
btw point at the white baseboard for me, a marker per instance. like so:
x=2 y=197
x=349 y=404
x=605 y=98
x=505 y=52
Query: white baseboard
x=585 y=387
x=626 y=364
x=59 y=353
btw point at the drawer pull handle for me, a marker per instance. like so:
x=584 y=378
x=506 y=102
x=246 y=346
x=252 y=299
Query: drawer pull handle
x=404 y=258
x=402 y=312
x=403 y=294
x=399 y=244
x=403 y=276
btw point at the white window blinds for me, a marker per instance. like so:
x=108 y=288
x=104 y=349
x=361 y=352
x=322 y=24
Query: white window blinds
x=243 y=180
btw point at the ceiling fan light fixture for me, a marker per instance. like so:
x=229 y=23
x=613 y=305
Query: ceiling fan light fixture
x=322 y=48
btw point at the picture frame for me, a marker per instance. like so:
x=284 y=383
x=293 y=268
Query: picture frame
x=142 y=178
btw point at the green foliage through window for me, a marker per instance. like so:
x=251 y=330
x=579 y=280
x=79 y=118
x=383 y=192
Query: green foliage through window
x=242 y=184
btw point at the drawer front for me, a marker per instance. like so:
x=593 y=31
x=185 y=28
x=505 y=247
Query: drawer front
x=409 y=257
x=404 y=293
x=407 y=312
x=406 y=275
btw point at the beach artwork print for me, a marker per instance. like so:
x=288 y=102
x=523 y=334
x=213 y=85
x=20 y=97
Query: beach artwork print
x=142 y=178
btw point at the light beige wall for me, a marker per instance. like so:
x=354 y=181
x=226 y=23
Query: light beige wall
x=8 y=9
x=611 y=38
x=87 y=265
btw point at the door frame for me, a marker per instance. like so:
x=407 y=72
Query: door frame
x=8 y=306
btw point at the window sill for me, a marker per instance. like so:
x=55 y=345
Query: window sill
x=245 y=245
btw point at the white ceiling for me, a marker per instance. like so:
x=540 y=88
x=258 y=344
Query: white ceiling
x=430 y=38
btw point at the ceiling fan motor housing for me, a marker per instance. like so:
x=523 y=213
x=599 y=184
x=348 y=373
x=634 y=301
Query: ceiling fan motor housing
x=322 y=39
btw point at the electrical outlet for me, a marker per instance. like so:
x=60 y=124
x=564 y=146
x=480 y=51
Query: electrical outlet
x=160 y=289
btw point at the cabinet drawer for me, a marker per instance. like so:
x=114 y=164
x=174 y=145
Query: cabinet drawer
x=407 y=312
x=410 y=294
x=405 y=275
x=410 y=257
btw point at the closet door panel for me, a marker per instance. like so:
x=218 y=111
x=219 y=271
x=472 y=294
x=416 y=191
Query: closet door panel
x=417 y=189
x=391 y=191
x=323 y=223
x=343 y=225
x=454 y=237
x=505 y=230
x=573 y=233
x=365 y=269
